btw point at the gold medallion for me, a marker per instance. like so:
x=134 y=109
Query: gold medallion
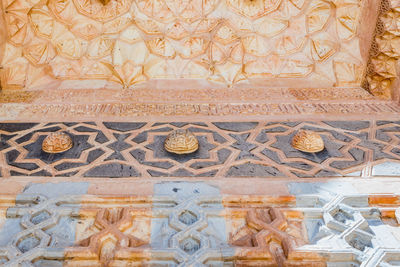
x=308 y=141
x=181 y=141
x=56 y=143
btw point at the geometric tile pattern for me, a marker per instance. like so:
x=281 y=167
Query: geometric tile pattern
x=231 y=149
x=193 y=224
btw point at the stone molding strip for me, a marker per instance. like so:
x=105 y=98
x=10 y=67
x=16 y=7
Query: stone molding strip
x=194 y=111
x=164 y=95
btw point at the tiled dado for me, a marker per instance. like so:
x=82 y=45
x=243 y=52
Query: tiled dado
x=227 y=149
x=195 y=224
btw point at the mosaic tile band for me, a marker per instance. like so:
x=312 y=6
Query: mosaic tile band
x=227 y=149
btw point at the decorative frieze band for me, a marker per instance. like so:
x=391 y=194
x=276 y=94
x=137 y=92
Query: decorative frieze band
x=226 y=149
x=9 y=112
x=186 y=224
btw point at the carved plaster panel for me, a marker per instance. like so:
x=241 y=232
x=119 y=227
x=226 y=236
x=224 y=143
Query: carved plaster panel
x=123 y=43
x=382 y=71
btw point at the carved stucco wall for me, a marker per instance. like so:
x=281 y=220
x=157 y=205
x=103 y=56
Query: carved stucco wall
x=85 y=44
x=382 y=70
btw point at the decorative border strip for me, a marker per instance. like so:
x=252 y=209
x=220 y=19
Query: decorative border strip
x=50 y=112
x=185 y=223
x=226 y=149
x=210 y=95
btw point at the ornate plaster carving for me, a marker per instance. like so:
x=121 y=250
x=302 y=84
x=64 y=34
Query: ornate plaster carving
x=225 y=41
x=382 y=68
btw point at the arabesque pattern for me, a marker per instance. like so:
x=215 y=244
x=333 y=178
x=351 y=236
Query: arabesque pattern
x=225 y=41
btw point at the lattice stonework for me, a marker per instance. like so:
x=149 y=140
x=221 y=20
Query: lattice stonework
x=125 y=42
x=192 y=224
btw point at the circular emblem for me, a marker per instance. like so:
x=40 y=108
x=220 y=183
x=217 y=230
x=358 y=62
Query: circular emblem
x=308 y=141
x=181 y=142
x=57 y=142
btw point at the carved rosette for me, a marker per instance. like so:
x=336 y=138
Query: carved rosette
x=181 y=142
x=57 y=142
x=308 y=141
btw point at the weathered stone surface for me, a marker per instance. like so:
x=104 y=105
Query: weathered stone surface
x=236 y=126
x=349 y=125
x=16 y=127
x=112 y=170
x=253 y=170
x=386 y=169
x=124 y=126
